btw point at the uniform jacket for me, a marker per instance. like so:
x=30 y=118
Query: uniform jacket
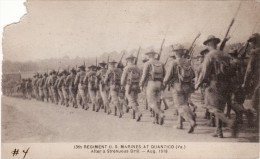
x=127 y=71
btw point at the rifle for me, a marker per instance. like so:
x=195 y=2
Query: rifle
x=136 y=60
x=121 y=58
x=160 y=53
x=229 y=27
x=107 y=61
x=166 y=61
x=244 y=51
x=192 y=45
x=96 y=64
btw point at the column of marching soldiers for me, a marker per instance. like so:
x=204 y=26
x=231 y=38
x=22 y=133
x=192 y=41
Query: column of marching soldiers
x=224 y=81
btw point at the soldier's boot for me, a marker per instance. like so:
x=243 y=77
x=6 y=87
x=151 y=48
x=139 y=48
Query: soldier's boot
x=162 y=116
x=86 y=107
x=146 y=104
x=212 y=121
x=179 y=122
x=127 y=109
x=192 y=126
x=207 y=114
x=218 y=133
x=105 y=109
x=133 y=115
x=93 y=106
x=139 y=117
x=250 y=116
x=156 y=119
x=115 y=111
x=234 y=129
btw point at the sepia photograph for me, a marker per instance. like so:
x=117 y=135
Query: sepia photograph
x=109 y=71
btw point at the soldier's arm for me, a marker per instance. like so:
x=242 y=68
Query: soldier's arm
x=249 y=69
x=145 y=74
x=67 y=80
x=168 y=73
x=205 y=72
x=76 y=81
x=123 y=78
x=107 y=76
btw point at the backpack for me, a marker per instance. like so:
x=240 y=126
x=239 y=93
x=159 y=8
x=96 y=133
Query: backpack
x=156 y=71
x=185 y=74
x=116 y=77
x=92 y=81
x=134 y=76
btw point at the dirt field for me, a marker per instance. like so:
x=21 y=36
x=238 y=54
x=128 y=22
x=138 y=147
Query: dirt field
x=34 y=121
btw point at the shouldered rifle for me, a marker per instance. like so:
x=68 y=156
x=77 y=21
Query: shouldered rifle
x=160 y=53
x=107 y=61
x=121 y=58
x=242 y=52
x=192 y=45
x=136 y=60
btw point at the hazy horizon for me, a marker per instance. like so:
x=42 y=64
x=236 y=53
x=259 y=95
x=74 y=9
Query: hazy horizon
x=54 y=29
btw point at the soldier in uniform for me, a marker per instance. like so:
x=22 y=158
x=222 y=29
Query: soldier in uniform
x=45 y=87
x=103 y=88
x=130 y=80
x=64 y=88
x=181 y=74
x=252 y=74
x=59 y=87
x=82 y=87
x=153 y=74
x=28 y=87
x=144 y=60
x=40 y=87
x=72 y=89
x=36 y=89
x=54 y=90
x=49 y=87
x=203 y=87
x=91 y=81
x=216 y=73
x=112 y=78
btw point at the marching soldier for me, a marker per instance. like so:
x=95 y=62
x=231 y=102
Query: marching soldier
x=103 y=88
x=181 y=74
x=72 y=89
x=216 y=73
x=64 y=88
x=82 y=87
x=28 y=87
x=113 y=78
x=40 y=87
x=45 y=87
x=252 y=74
x=153 y=74
x=144 y=60
x=91 y=81
x=130 y=80
x=49 y=87
x=203 y=87
x=54 y=90
x=59 y=87
x=36 y=89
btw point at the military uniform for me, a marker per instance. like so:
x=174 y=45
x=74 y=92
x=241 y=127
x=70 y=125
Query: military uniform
x=91 y=80
x=72 y=89
x=53 y=87
x=64 y=88
x=59 y=88
x=40 y=85
x=103 y=88
x=130 y=79
x=45 y=88
x=216 y=74
x=252 y=74
x=112 y=78
x=180 y=73
x=82 y=88
x=153 y=73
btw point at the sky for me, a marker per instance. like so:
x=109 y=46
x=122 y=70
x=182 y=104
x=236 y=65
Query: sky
x=53 y=29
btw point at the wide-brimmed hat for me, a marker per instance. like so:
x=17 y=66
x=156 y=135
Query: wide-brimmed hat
x=82 y=67
x=145 y=58
x=204 y=51
x=253 y=37
x=112 y=62
x=102 y=63
x=92 y=67
x=73 y=70
x=233 y=51
x=178 y=47
x=130 y=57
x=211 y=38
x=151 y=53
